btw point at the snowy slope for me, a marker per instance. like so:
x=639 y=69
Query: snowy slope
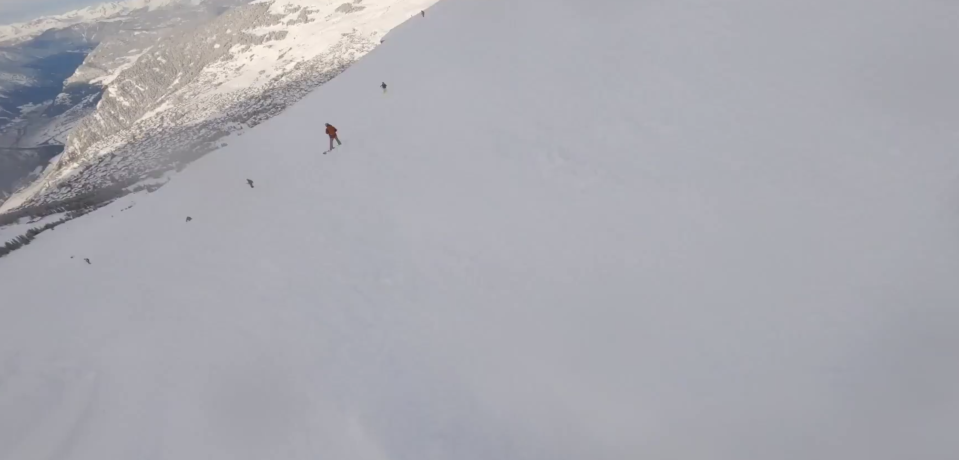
x=177 y=99
x=571 y=229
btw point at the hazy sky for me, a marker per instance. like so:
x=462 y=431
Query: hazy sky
x=23 y=10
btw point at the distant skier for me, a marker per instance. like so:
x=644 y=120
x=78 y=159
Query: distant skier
x=250 y=181
x=423 y=13
x=384 y=87
x=188 y=218
x=87 y=261
x=331 y=131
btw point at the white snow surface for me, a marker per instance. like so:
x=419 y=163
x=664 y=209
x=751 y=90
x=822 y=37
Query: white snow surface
x=571 y=229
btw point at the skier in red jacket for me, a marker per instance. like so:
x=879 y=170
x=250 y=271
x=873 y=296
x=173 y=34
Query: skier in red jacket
x=331 y=131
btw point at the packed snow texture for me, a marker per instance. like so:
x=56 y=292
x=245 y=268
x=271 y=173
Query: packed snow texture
x=586 y=229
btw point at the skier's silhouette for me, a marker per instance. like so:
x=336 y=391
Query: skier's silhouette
x=250 y=181
x=383 y=86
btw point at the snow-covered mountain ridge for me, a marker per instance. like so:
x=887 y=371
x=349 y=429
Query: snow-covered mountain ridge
x=185 y=93
x=51 y=81
x=13 y=33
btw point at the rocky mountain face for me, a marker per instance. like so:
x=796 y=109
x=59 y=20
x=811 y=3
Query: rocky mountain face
x=50 y=79
x=31 y=79
x=225 y=75
x=37 y=57
x=33 y=71
x=20 y=165
x=12 y=34
x=118 y=48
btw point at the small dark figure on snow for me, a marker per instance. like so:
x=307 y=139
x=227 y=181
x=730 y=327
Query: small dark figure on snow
x=331 y=131
x=384 y=87
x=423 y=13
x=188 y=218
x=250 y=181
x=87 y=261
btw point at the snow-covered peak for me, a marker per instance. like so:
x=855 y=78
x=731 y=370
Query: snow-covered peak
x=104 y=11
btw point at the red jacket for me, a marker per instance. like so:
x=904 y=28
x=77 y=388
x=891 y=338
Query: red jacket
x=330 y=131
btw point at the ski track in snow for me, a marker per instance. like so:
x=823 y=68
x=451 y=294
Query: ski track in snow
x=574 y=229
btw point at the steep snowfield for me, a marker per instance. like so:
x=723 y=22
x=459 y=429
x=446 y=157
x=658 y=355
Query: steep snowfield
x=571 y=229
